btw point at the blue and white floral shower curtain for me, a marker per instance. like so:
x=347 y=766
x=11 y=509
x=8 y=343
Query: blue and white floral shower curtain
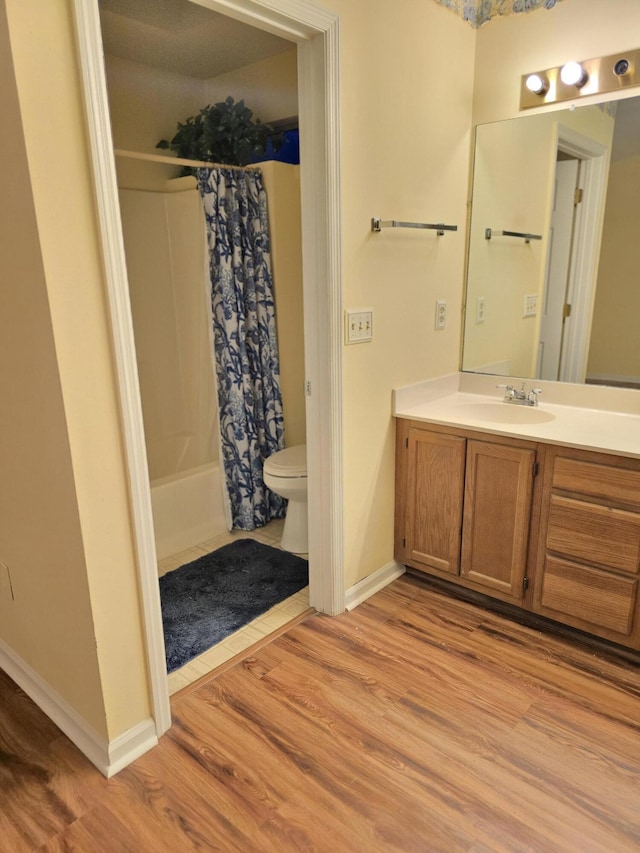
x=245 y=342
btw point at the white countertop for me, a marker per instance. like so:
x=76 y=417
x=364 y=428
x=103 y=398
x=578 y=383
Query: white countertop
x=587 y=417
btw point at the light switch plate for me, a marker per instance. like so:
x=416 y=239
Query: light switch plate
x=530 y=307
x=358 y=326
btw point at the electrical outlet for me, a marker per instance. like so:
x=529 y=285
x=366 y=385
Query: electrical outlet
x=441 y=314
x=358 y=326
x=480 y=309
x=530 y=305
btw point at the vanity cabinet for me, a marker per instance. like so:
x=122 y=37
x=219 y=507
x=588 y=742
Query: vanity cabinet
x=463 y=507
x=565 y=544
x=589 y=566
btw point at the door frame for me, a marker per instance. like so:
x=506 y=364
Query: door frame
x=561 y=233
x=316 y=33
x=583 y=265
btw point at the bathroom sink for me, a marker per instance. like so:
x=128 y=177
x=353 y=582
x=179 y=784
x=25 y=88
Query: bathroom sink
x=502 y=413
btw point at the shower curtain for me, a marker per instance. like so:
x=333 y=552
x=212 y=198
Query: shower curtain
x=245 y=342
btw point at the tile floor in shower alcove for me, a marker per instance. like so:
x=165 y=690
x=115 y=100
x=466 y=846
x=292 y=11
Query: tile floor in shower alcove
x=270 y=621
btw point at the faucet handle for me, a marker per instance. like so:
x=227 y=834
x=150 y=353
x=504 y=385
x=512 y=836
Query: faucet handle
x=533 y=395
x=510 y=391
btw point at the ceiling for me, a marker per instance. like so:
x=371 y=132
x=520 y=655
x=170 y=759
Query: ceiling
x=183 y=37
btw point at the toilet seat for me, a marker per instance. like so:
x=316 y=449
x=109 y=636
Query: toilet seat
x=288 y=463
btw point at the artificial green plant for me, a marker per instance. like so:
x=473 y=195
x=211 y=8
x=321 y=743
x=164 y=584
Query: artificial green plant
x=223 y=133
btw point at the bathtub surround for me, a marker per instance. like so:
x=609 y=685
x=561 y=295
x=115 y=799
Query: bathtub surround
x=188 y=508
x=165 y=249
x=208 y=599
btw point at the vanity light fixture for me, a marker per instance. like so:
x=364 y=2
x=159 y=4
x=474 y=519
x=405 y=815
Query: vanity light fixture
x=575 y=80
x=537 y=84
x=573 y=74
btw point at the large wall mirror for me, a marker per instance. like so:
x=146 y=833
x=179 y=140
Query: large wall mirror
x=562 y=301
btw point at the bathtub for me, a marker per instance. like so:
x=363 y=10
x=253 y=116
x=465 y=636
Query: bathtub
x=187 y=509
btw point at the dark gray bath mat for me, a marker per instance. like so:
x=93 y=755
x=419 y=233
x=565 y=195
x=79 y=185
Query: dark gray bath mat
x=210 y=598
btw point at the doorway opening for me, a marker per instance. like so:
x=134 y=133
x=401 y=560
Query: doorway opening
x=556 y=309
x=571 y=272
x=316 y=34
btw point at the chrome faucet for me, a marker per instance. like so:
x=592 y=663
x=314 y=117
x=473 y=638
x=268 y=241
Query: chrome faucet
x=520 y=397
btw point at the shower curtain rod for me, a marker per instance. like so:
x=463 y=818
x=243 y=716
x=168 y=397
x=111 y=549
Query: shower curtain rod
x=177 y=161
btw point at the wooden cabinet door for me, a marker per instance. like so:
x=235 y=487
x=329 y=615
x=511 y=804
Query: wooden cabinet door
x=435 y=491
x=495 y=533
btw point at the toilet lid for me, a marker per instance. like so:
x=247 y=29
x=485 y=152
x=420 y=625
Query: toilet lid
x=290 y=462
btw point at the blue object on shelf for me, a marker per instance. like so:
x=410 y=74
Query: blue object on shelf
x=288 y=152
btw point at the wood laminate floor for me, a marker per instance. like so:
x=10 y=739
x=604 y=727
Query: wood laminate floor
x=414 y=723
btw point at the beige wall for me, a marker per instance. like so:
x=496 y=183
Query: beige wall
x=95 y=608
x=282 y=183
x=49 y=623
x=405 y=149
x=269 y=103
x=614 y=351
x=147 y=103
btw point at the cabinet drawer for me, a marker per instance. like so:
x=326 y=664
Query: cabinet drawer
x=595 y=533
x=620 y=485
x=590 y=595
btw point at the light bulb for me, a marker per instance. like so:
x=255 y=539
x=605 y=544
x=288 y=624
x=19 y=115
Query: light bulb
x=536 y=84
x=573 y=74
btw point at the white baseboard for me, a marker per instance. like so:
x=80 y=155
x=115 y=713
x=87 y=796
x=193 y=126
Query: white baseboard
x=108 y=757
x=129 y=746
x=373 y=583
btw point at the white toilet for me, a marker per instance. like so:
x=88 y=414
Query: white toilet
x=285 y=473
